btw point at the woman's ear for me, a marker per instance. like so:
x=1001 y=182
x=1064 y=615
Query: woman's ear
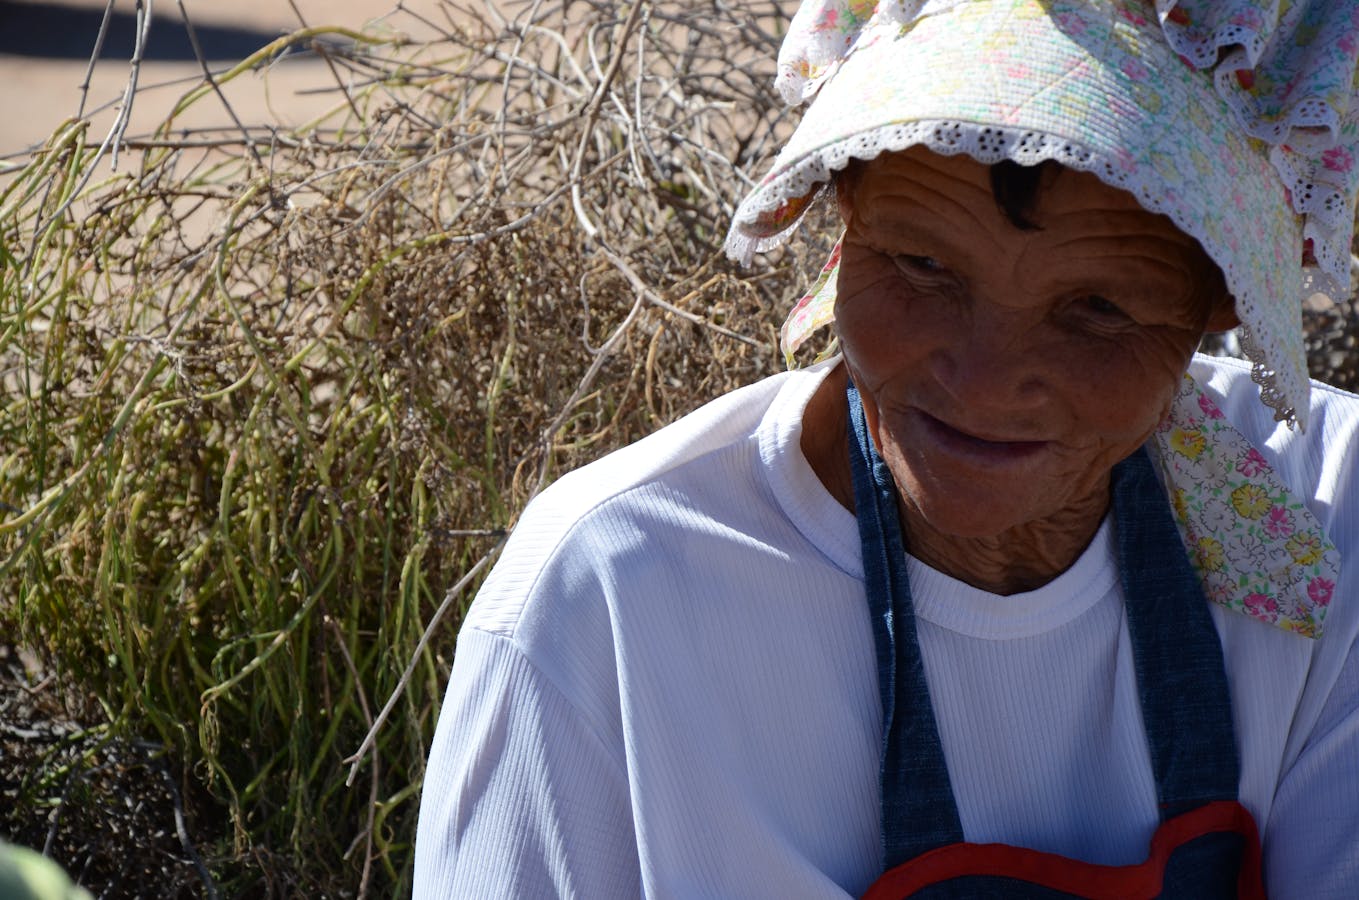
x=1223 y=316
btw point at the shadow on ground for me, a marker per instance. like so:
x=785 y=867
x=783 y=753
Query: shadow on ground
x=55 y=31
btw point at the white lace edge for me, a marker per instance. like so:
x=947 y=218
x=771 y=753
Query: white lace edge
x=1280 y=390
x=1230 y=48
x=1310 y=126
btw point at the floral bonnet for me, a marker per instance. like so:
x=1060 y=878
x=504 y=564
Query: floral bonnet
x=1237 y=119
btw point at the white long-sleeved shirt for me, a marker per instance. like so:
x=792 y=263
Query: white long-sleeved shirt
x=667 y=686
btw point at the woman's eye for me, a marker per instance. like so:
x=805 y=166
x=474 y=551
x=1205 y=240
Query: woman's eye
x=1103 y=309
x=918 y=265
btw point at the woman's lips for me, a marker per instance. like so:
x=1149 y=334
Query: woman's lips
x=963 y=444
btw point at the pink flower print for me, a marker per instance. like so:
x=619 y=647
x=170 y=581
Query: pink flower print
x=1320 y=590
x=1134 y=69
x=1279 y=522
x=1262 y=606
x=829 y=18
x=1248 y=19
x=1349 y=43
x=1132 y=17
x=1219 y=591
x=1252 y=464
x=1338 y=159
x=1228 y=160
x=1209 y=407
x=1071 y=23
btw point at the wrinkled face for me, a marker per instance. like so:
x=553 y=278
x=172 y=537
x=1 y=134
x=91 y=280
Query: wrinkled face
x=1004 y=371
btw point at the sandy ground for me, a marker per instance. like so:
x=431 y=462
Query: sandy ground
x=45 y=49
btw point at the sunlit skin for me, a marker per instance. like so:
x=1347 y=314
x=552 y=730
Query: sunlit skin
x=1004 y=372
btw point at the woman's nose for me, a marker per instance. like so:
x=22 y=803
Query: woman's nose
x=991 y=357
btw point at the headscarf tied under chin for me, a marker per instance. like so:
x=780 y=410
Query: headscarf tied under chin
x=1237 y=119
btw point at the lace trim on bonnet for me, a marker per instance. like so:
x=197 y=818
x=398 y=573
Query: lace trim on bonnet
x=1286 y=69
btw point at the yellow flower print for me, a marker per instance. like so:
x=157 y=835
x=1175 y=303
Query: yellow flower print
x=1149 y=98
x=1304 y=548
x=1179 y=502
x=1250 y=501
x=1189 y=444
x=1202 y=164
x=862 y=9
x=1305 y=627
x=1210 y=554
x=1198 y=117
x=1167 y=167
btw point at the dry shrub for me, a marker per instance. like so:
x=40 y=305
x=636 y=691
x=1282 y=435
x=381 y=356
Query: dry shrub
x=270 y=401
x=269 y=398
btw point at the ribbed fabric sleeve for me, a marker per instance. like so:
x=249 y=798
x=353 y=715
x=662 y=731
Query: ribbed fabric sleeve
x=525 y=790
x=667 y=686
x=1311 y=826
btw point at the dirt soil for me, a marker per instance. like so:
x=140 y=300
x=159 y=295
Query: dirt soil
x=110 y=811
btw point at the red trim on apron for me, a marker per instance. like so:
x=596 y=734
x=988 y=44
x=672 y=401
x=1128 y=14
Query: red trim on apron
x=1083 y=879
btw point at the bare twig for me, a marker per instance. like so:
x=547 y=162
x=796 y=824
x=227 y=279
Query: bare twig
x=115 y=134
x=453 y=594
x=94 y=57
x=366 y=835
x=592 y=111
x=217 y=89
x=182 y=832
x=655 y=299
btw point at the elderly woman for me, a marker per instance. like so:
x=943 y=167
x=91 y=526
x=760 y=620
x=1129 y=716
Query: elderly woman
x=1015 y=596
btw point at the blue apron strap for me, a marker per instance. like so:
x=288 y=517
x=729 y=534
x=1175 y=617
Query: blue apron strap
x=918 y=811
x=1181 y=675
x=1182 y=684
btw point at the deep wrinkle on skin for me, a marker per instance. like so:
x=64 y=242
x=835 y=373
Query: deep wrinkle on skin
x=1004 y=371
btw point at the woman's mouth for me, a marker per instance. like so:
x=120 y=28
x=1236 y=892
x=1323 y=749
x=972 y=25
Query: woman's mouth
x=967 y=445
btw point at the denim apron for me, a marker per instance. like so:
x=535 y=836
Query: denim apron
x=1206 y=846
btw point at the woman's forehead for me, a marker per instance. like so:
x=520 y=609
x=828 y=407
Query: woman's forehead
x=917 y=202
x=922 y=192
x=922 y=176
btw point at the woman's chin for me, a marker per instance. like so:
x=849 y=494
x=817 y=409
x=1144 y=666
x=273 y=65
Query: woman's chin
x=947 y=516
x=980 y=503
